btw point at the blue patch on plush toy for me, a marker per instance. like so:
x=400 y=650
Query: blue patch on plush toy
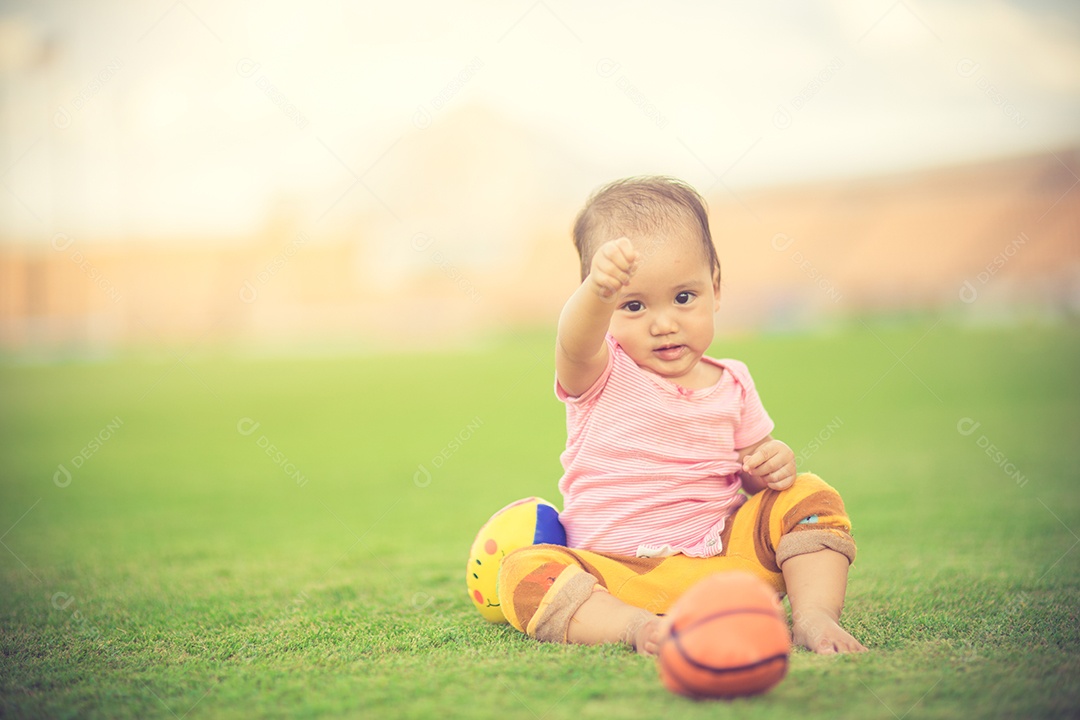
x=549 y=531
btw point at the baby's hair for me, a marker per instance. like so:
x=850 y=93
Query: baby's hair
x=638 y=206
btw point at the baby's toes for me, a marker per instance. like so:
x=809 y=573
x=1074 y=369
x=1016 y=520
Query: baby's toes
x=651 y=635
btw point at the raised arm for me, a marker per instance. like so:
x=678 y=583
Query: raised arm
x=580 y=351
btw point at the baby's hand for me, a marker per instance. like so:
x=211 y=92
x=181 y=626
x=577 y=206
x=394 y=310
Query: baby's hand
x=612 y=267
x=773 y=463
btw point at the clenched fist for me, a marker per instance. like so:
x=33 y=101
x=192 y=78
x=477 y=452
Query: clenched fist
x=612 y=267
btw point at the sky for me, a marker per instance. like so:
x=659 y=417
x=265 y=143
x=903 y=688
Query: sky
x=191 y=118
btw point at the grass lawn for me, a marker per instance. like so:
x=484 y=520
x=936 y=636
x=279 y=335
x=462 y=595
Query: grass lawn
x=211 y=536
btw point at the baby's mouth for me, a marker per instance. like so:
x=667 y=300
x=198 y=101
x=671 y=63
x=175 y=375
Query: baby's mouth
x=669 y=352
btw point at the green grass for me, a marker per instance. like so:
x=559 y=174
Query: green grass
x=183 y=572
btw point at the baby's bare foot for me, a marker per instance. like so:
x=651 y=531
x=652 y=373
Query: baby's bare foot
x=819 y=632
x=651 y=634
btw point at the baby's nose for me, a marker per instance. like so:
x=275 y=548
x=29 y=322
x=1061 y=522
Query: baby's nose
x=663 y=324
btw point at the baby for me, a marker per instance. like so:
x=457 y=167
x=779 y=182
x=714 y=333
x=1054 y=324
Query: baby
x=661 y=439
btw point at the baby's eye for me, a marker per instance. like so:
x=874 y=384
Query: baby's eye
x=683 y=298
x=633 y=306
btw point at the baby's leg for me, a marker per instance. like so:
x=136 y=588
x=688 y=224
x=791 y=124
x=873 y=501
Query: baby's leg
x=604 y=618
x=804 y=534
x=556 y=594
x=816 y=584
x=814 y=554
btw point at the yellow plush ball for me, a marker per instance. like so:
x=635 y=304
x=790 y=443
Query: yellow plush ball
x=530 y=521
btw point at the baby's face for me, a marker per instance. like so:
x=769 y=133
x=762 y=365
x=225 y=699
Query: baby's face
x=664 y=316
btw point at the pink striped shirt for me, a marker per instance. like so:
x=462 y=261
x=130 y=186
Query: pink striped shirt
x=651 y=467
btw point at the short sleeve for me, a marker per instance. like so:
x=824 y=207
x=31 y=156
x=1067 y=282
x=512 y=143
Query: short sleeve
x=754 y=422
x=597 y=386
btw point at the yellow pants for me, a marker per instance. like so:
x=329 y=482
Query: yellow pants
x=542 y=586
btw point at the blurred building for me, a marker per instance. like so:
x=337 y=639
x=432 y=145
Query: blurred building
x=987 y=240
x=305 y=177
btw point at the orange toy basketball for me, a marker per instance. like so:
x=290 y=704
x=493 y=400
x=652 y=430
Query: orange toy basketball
x=728 y=638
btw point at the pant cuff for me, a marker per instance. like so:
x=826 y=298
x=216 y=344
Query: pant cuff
x=551 y=620
x=801 y=542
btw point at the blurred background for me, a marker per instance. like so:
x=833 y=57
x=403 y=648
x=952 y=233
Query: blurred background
x=328 y=176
